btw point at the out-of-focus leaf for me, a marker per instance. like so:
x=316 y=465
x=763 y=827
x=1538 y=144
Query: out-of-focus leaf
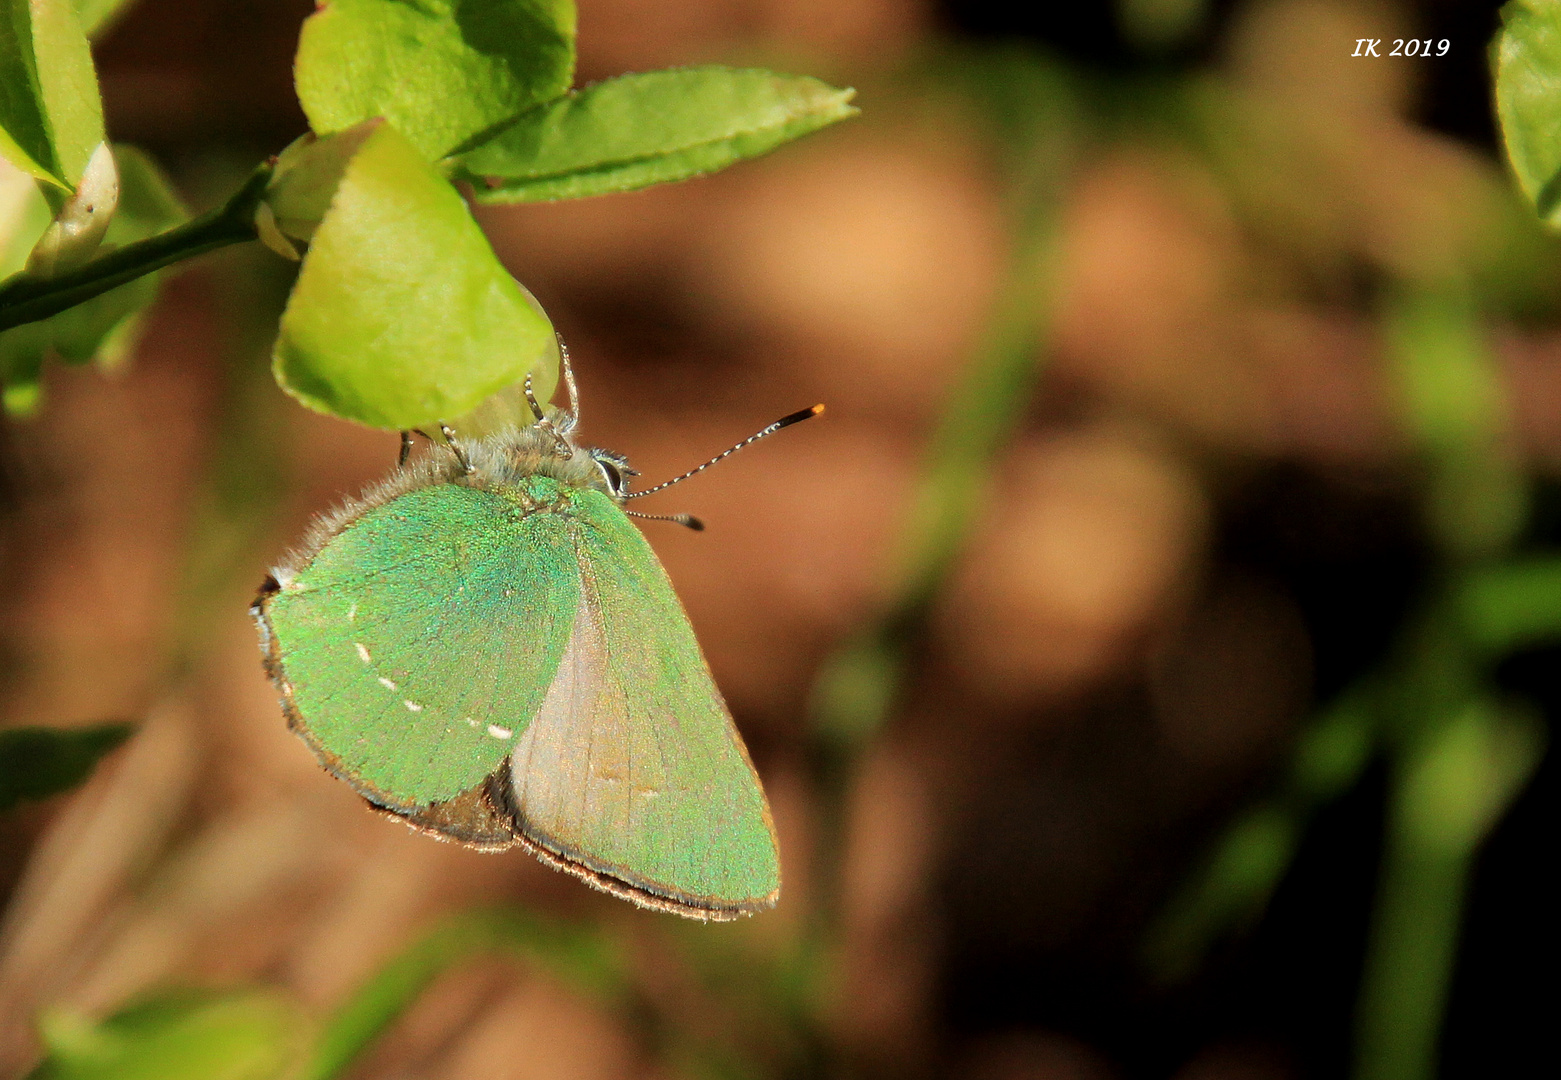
x=98 y=17
x=1457 y=785
x=1460 y=769
x=402 y=315
x=249 y=1035
x=1512 y=606
x=24 y=215
x=637 y=130
x=1158 y=26
x=36 y=762
x=441 y=71
x=1026 y=98
x=580 y=956
x=51 y=117
x=1452 y=402
x=1527 y=56
x=147 y=206
x=1229 y=892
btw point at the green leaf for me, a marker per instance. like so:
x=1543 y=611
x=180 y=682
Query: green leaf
x=36 y=762
x=51 y=118
x=637 y=130
x=101 y=325
x=1527 y=58
x=402 y=315
x=1457 y=784
x=304 y=183
x=1514 y=605
x=98 y=17
x=24 y=215
x=248 y=1035
x=441 y=71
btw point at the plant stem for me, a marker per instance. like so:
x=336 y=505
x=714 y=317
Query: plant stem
x=25 y=299
x=1455 y=765
x=1451 y=787
x=859 y=684
x=581 y=956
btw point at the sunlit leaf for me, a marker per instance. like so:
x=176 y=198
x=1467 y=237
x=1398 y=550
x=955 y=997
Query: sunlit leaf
x=638 y=130
x=248 y=1035
x=441 y=71
x=1527 y=57
x=402 y=315
x=98 y=17
x=36 y=762
x=306 y=177
x=51 y=118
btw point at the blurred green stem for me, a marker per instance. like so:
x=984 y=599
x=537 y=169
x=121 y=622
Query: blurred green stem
x=1234 y=886
x=858 y=686
x=1449 y=788
x=579 y=956
x=1456 y=762
x=1456 y=759
x=25 y=298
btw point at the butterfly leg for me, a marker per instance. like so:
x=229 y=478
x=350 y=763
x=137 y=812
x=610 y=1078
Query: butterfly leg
x=406 y=448
x=455 y=448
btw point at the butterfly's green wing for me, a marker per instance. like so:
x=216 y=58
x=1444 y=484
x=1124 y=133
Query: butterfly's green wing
x=416 y=646
x=632 y=774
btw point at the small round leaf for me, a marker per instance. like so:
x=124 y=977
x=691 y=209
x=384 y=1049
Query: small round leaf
x=402 y=315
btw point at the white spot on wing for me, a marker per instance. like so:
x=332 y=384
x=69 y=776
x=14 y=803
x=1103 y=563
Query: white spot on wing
x=352 y=613
x=386 y=683
x=470 y=721
x=363 y=654
x=412 y=706
x=499 y=732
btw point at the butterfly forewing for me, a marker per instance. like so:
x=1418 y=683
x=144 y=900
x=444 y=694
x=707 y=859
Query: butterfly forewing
x=418 y=643
x=632 y=770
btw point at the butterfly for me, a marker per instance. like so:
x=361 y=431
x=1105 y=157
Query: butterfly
x=485 y=646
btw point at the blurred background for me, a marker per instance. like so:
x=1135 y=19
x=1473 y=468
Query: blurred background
x=1183 y=372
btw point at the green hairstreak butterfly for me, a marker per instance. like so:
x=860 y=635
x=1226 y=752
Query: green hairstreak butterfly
x=485 y=646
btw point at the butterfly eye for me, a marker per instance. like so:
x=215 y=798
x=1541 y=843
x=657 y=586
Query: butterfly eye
x=612 y=474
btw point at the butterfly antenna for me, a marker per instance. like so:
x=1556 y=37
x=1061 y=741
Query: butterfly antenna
x=561 y=445
x=688 y=521
x=785 y=421
x=569 y=381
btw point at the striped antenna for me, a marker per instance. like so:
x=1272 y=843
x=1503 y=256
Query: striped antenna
x=785 y=421
x=688 y=521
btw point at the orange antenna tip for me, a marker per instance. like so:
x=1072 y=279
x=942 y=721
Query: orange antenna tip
x=785 y=421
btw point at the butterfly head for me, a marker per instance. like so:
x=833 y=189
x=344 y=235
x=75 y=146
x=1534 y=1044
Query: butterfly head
x=615 y=471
